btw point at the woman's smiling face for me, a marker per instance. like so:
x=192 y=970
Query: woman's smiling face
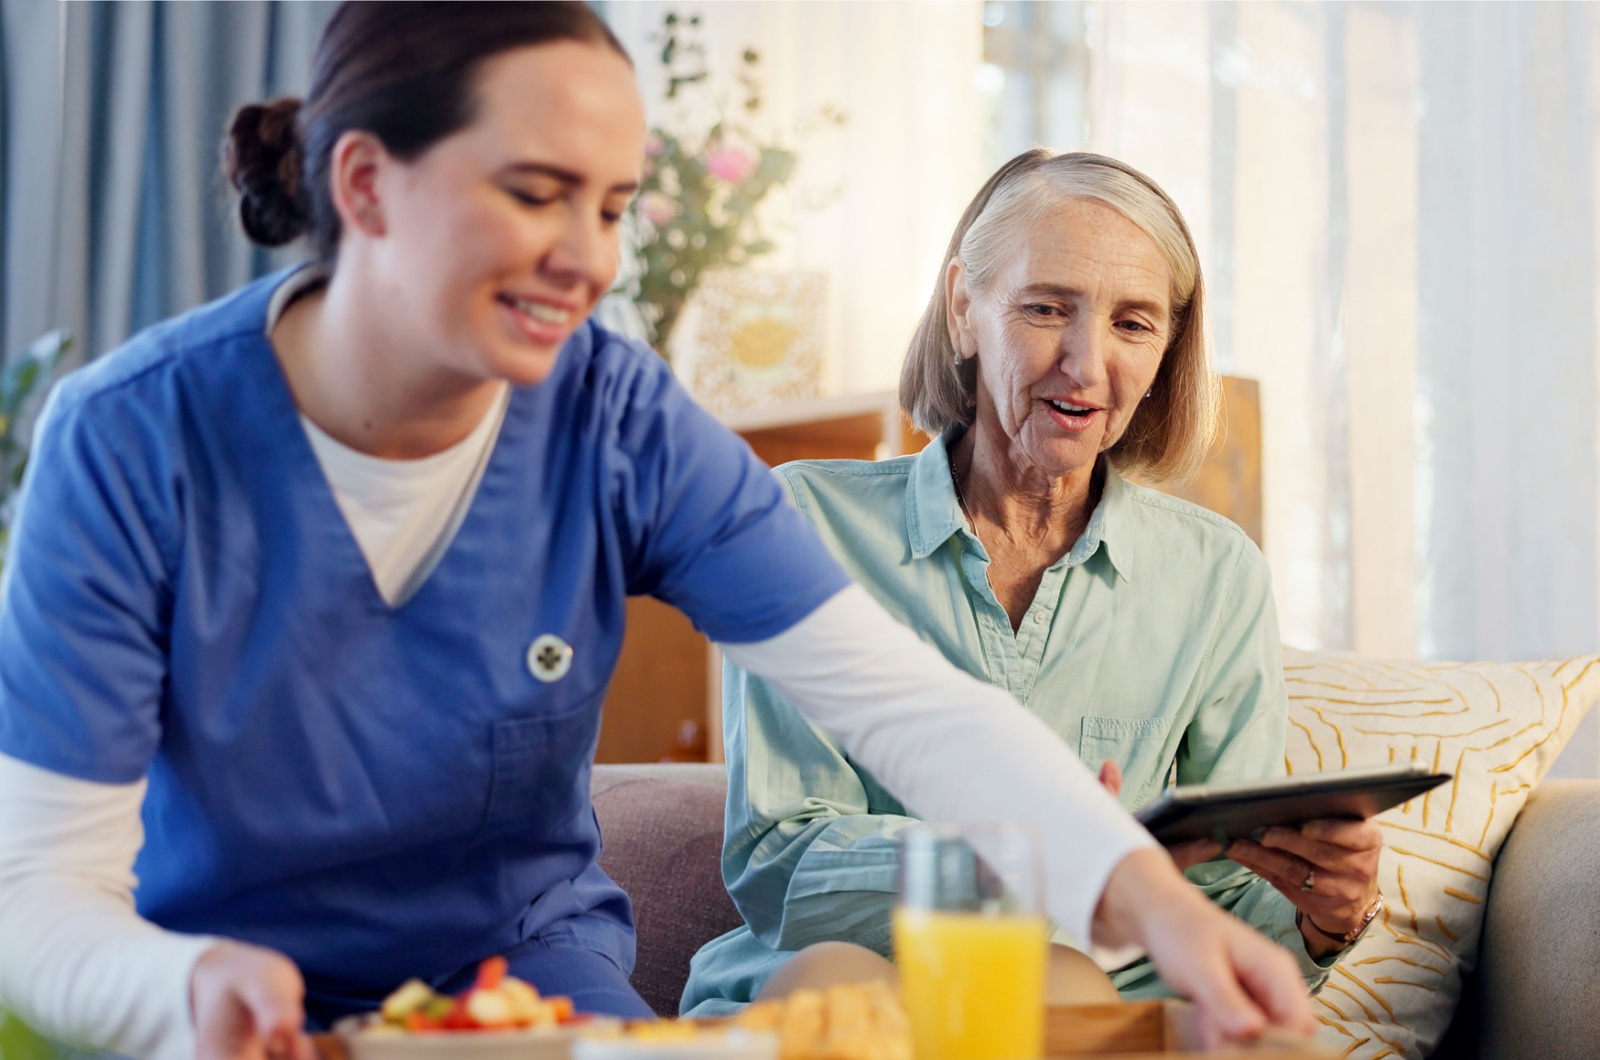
x=1069 y=333
x=499 y=240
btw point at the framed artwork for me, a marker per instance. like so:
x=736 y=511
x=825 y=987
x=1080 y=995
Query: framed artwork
x=759 y=339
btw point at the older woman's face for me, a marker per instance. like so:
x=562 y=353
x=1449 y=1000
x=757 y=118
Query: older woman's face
x=1069 y=335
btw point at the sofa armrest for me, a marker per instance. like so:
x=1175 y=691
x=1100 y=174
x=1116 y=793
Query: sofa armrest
x=1537 y=990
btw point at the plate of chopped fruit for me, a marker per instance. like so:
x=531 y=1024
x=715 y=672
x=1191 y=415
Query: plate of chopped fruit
x=499 y=1018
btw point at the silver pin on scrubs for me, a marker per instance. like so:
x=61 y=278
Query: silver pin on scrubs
x=549 y=658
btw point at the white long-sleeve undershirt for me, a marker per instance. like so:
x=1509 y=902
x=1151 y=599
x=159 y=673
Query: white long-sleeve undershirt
x=77 y=961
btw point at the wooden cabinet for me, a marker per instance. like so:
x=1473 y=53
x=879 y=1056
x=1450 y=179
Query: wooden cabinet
x=1229 y=482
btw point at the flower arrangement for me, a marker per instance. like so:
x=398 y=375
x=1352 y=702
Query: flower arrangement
x=22 y=384
x=697 y=207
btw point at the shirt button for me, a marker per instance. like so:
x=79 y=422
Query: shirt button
x=549 y=658
x=1039 y=617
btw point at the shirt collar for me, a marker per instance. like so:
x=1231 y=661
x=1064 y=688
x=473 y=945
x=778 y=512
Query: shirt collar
x=933 y=513
x=1108 y=525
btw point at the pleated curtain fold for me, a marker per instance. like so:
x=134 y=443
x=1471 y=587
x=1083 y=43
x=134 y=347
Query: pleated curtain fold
x=113 y=213
x=1397 y=207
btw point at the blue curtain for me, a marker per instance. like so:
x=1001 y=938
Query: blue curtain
x=112 y=213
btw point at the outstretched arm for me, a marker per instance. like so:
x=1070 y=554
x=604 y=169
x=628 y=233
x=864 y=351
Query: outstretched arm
x=954 y=748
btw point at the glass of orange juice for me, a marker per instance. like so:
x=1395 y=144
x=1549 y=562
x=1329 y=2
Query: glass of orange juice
x=971 y=941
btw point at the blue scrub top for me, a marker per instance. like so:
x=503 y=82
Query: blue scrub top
x=376 y=792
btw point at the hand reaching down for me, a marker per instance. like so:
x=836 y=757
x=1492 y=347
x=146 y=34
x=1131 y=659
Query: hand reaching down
x=249 y=1004
x=1239 y=981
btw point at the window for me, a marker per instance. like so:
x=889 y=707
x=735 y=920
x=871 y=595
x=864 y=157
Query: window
x=1035 y=77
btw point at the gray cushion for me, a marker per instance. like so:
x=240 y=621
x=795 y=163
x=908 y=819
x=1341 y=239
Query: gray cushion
x=662 y=826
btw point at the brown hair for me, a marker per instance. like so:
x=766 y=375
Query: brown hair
x=1173 y=428
x=401 y=71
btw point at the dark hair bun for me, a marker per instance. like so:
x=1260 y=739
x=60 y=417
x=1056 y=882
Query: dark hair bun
x=263 y=158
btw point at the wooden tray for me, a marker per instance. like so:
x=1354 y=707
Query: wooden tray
x=1145 y=1030
x=1135 y=1030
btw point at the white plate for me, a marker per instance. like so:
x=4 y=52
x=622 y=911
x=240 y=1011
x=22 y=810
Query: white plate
x=369 y=1040
x=732 y=1045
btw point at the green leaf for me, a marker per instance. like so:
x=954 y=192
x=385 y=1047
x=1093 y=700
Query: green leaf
x=24 y=380
x=17 y=1042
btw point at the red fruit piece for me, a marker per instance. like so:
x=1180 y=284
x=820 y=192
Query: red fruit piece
x=491 y=973
x=459 y=1019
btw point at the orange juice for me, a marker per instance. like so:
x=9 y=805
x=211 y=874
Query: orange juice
x=973 y=984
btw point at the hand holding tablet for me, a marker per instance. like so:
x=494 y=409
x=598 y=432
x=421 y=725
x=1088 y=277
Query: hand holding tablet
x=1310 y=837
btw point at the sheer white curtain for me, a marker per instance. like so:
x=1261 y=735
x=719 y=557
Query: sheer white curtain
x=1396 y=204
x=903 y=165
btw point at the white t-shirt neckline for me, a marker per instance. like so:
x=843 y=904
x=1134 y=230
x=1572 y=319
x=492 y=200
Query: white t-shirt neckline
x=403 y=514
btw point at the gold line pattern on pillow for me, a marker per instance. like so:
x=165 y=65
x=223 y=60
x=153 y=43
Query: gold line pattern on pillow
x=1496 y=727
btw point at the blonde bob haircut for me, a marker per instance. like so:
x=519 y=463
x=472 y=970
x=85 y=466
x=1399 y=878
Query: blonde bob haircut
x=1173 y=428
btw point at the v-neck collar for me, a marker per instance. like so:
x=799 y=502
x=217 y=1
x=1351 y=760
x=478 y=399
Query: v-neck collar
x=283 y=416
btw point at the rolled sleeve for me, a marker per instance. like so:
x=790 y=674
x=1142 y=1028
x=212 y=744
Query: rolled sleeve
x=809 y=855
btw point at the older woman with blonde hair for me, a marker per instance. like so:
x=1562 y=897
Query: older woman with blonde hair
x=1062 y=354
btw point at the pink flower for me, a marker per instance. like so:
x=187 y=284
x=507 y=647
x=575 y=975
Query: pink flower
x=658 y=208
x=733 y=164
x=653 y=144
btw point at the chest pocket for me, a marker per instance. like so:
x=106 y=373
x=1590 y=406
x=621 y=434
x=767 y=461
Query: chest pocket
x=540 y=784
x=1135 y=744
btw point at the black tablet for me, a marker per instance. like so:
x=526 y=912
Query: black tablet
x=1230 y=811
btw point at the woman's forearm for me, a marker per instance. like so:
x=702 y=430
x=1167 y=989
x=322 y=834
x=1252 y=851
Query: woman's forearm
x=946 y=744
x=76 y=961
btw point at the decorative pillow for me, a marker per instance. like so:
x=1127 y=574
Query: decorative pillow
x=1496 y=728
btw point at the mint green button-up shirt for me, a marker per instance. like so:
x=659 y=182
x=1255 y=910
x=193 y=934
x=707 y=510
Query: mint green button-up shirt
x=1153 y=643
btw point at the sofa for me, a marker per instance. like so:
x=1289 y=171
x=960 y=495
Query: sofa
x=1535 y=993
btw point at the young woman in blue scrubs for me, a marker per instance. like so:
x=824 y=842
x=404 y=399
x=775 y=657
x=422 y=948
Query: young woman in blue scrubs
x=316 y=591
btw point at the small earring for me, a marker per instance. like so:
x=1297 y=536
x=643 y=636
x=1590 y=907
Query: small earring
x=1152 y=390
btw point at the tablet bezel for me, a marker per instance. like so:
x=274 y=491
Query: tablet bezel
x=1222 y=812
